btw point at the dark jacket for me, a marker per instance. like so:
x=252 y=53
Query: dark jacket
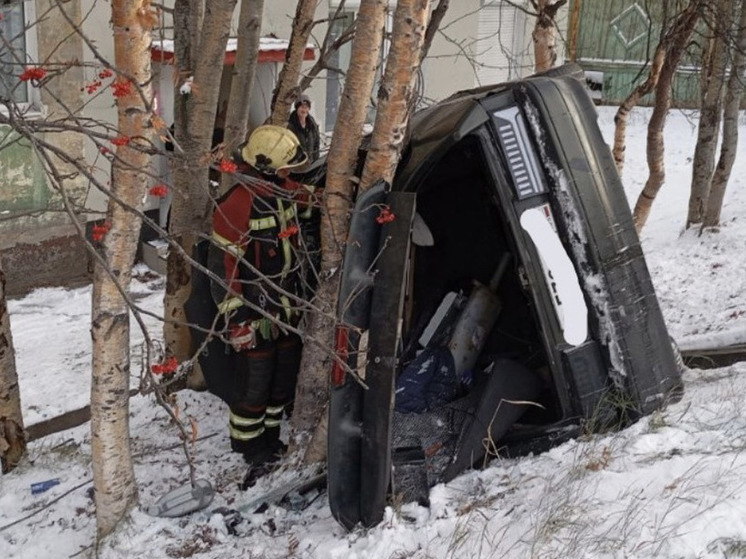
x=255 y=241
x=309 y=136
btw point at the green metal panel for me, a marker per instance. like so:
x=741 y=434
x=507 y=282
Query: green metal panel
x=23 y=186
x=619 y=37
x=615 y=30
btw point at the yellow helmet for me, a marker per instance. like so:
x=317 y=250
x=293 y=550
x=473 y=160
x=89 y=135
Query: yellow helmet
x=273 y=148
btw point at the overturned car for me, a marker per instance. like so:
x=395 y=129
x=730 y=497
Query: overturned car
x=505 y=308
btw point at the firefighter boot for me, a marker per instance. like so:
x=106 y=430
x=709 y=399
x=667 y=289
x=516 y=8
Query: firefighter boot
x=260 y=459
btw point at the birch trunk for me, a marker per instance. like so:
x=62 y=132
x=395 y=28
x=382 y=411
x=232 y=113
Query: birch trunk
x=436 y=18
x=287 y=84
x=312 y=392
x=395 y=92
x=194 y=117
x=622 y=115
x=113 y=474
x=713 y=86
x=12 y=435
x=392 y=118
x=544 y=34
x=247 y=50
x=676 y=42
x=729 y=148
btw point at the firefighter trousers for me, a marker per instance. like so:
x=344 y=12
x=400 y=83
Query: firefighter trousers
x=264 y=384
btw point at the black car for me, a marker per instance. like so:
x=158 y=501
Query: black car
x=494 y=298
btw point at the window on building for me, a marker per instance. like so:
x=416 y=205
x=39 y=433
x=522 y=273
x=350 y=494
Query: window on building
x=17 y=51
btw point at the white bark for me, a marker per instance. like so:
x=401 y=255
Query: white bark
x=729 y=148
x=113 y=473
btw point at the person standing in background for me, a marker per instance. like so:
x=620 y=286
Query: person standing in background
x=305 y=128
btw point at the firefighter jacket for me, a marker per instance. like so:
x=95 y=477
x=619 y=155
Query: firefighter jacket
x=255 y=250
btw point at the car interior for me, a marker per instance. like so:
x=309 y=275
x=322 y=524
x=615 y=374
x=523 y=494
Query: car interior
x=458 y=203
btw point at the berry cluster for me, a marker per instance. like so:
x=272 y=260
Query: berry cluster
x=34 y=73
x=386 y=216
x=159 y=190
x=100 y=231
x=168 y=366
x=290 y=231
x=228 y=166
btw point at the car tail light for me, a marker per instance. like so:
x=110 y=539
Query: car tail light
x=342 y=349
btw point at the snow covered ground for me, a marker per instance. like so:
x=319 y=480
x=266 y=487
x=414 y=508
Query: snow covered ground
x=672 y=485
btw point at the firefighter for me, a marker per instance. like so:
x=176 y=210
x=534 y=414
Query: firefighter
x=255 y=251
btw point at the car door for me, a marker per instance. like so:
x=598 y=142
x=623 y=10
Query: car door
x=368 y=335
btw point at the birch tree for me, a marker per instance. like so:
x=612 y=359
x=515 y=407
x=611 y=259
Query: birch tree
x=247 y=51
x=622 y=114
x=729 y=149
x=436 y=18
x=312 y=391
x=393 y=110
x=396 y=92
x=113 y=473
x=669 y=36
x=544 y=35
x=12 y=436
x=331 y=43
x=679 y=36
x=200 y=40
x=712 y=75
x=287 y=84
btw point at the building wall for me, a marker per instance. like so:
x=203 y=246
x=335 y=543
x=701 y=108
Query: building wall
x=447 y=67
x=99 y=106
x=482 y=42
x=38 y=240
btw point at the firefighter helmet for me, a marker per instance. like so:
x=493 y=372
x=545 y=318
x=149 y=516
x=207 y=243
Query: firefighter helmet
x=273 y=148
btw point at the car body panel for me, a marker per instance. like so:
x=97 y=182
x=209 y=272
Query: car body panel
x=383 y=343
x=346 y=391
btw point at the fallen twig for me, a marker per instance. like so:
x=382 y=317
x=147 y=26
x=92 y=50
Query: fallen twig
x=46 y=506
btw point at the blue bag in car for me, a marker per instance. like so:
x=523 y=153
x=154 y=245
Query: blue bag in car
x=428 y=382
